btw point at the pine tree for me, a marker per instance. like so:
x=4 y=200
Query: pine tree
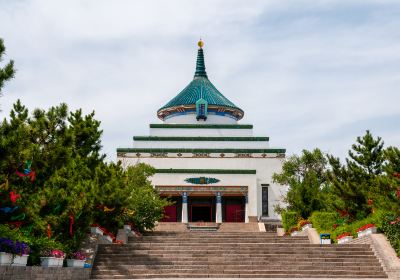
x=355 y=183
x=7 y=72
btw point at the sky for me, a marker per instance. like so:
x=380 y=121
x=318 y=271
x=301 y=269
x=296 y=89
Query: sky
x=307 y=74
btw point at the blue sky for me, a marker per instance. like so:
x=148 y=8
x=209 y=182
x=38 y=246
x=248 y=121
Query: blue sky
x=307 y=73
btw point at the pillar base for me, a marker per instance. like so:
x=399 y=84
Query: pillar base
x=253 y=219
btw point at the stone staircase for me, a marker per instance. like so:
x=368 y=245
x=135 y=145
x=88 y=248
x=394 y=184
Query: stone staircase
x=232 y=255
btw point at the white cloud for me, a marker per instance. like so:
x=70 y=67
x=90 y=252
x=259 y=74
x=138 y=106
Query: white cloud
x=307 y=73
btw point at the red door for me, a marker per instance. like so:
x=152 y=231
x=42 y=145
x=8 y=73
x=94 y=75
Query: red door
x=169 y=214
x=234 y=213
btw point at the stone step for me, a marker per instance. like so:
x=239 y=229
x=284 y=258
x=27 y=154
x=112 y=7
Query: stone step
x=295 y=273
x=172 y=233
x=225 y=246
x=219 y=259
x=241 y=244
x=252 y=276
x=244 y=252
x=238 y=271
x=232 y=255
x=272 y=266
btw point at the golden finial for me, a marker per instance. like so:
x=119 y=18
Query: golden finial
x=200 y=44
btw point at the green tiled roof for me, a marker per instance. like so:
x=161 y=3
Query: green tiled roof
x=200 y=87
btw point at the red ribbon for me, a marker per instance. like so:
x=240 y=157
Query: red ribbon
x=48 y=230
x=16 y=224
x=14 y=196
x=71 y=222
x=31 y=175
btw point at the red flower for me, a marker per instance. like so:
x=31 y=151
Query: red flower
x=335 y=226
x=370 y=201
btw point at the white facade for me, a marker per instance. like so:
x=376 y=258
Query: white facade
x=213 y=167
x=182 y=154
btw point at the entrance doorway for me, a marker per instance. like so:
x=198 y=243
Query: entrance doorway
x=201 y=209
x=201 y=213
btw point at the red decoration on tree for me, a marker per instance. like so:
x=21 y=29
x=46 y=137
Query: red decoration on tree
x=31 y=175
x=370 y=201
x=71 y=222
x=16 y=224
x=48 y=230
x=343 y=213
x=14 y=196
x=396 y=174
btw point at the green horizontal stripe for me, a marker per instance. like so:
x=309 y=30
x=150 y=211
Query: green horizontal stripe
x=179 y=138
x=194 y=151
x=207 y=171
x=212 y=126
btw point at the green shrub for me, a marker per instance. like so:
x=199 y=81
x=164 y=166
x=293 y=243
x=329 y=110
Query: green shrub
x=391 y=228
x=323 y=222
x=289 y=219
x=377 y=219
x=342 y=229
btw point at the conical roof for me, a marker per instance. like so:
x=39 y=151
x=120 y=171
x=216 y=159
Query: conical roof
x=201 y=88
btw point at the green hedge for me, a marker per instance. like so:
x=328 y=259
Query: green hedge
x=323 y=221
x=391 y=228
x=290 y=219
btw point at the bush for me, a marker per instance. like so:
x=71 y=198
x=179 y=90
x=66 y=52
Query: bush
x=324 y=221
x=289 y=219
x=391 y=228
x=377 y=219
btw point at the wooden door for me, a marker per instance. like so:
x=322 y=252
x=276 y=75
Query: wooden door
x=170 y=214
x=234 y=213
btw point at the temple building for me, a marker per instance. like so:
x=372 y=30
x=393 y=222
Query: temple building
x=209 y=164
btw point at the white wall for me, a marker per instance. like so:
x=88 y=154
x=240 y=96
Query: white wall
x=264 y=167
x=201 y=132
x=202 y=144
x=190 y=118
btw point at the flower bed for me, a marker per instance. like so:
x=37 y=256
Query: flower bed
x=344 y=238
x=76 y=259
x=13 y=253
x=97 y=229
x=52 y=258
x=304 y=224
x=366 y=230
x=294 y=231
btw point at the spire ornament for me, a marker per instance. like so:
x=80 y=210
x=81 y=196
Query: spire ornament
x=200 y=44
x=200 y=65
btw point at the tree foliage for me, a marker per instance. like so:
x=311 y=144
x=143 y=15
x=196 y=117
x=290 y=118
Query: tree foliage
x=355 y=184
x=340 y=198
x=306 y=177
x=7 y=72
x=72 y=183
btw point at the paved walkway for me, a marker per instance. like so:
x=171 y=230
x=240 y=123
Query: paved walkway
x=268 y=278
